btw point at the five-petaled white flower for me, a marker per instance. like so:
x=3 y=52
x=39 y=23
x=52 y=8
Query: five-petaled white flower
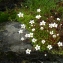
x=38 y=16
x=22 y=38
x=31 y=22
x=49 y=47
x=20 y=31
x=31 y=34
x=37 y=47
x=51 y=32
x=23 y=26
x=58 y=19
x=33 y=29
x=27 y=35
x=34 y=40
x=41 y=28
x=38 y=10
x=43 y=41
x=60 y=44
x=51 y=25
x=55 y=25
x=54 y=36
x=20 y=14
x=28 y=51
x=42 y=23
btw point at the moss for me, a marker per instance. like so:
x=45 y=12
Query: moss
x=3 y=16
x=12 y=14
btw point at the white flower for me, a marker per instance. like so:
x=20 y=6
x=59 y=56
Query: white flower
x=34 y=40
x=41 y=28
x=28 y=51
x=22 y=38
x=43 y=41
x=42 y=23
x=33 y=29
x=59 y=44
x=27 y=35
x=37 y=47
x=49 y=47
x=23 y=26
x=51 y=25
x=20 y=14
x=31 y=34
x=31 y=21
x=20 y=31
x=38 y=16
x=55 y=25
x=45 y=54
x=54 y=36
x=58 y=34
x=38 y=10
x=58 y=19
x=51 y=32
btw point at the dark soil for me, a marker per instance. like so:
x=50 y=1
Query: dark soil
x=9 y=4
x=34 y=57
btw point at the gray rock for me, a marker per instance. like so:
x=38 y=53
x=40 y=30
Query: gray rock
x=11 y=39
x=60 y=59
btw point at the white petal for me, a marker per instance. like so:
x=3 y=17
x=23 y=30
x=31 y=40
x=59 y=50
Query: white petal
x=33 y=29
x=28 y=51
x=58 y=19
x=38 y=16
x=22 y=38
x=20 y=31
x=38 y=10
x=37 y=47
